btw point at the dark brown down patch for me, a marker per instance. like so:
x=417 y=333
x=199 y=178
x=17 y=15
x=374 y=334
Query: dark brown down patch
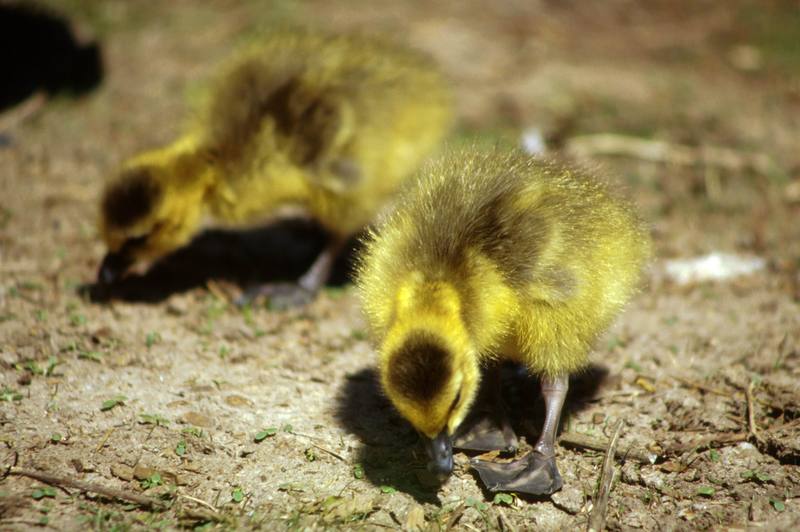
x=419 y=369
x=130 y=199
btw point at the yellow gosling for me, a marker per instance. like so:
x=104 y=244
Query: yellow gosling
x=495 y=256
x=330 y=124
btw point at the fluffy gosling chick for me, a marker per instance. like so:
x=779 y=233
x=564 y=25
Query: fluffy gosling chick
x=332 y=124
x=495 y=256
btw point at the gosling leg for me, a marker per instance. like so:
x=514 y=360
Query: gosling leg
x=287 y=295
x=484 y=435
x=536 y=473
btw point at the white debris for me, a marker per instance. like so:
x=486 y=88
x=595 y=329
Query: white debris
x=712 y=267
x=533 y=141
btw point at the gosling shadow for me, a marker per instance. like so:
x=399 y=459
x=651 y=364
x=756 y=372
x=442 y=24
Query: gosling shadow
x=389 y=453
x=526 y=404
x=42 y=52
x=279 y=252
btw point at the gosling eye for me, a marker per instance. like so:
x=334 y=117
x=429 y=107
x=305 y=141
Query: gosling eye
x=455 y=401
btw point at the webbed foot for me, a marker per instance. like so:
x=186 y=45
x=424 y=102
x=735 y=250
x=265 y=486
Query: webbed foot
x=534 y=474
x=487 y=436
x=280 y=296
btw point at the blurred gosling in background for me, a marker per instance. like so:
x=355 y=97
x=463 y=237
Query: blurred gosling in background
x=330 y=124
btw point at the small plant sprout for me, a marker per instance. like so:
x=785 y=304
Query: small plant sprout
x=151 y=482
x=44 y=491
x=503 y=499
x=706 y=491
x=180 y=448
x=152 y=339
x=264 y=434
x=153 y=419
x=472 y=502
x=224 y=351
x=77 y=319
x=777 y=504
x=197 y=432
x=94 y=356
x=9 y=395
x=756 y=476
x=115 y=401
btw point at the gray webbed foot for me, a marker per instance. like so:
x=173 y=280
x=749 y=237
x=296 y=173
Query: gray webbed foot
x=534 y=474
x=487 y=436
x=280 y=296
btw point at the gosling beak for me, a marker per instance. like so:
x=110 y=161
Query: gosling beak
x=440 y=452
x=112 y=268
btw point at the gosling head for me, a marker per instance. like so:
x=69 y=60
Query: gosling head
x=147 y=211
x=432 y=384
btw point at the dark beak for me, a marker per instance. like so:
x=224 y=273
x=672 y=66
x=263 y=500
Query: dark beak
x=114 y=265
x=440 y=452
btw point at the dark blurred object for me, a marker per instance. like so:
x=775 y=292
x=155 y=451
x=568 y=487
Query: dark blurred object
x=278 y=252
x=39 y=51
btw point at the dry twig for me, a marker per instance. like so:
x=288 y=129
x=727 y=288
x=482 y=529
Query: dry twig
x=752 y=427
x=505 y=524
x=597 y=521
x=582 y=441
x=105 y=438
x=113 y=493
x=703 y=387
x=321 y=448
x=335 y=455
x=712 y=440
x=201 y=514
x=458 y=511
x=201 y=502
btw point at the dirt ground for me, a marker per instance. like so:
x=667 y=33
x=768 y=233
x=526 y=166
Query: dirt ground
x=268 y=419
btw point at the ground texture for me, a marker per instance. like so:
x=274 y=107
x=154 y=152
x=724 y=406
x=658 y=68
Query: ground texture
x=271 y=419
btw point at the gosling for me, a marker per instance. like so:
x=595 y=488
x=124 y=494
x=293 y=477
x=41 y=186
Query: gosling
x=495 y=256
x=330 y=124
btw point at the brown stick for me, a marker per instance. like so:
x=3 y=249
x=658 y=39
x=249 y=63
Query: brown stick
x=597 y=521
x=582 y=441
x=712 y=440
x=113 y=493
x=321 y=448
x=752 y=427
x=201 y=514
x=456 y=515
x=103 y=441
x=335 y=455
x=201 y=502
x=505 y=524
x=703 y=387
